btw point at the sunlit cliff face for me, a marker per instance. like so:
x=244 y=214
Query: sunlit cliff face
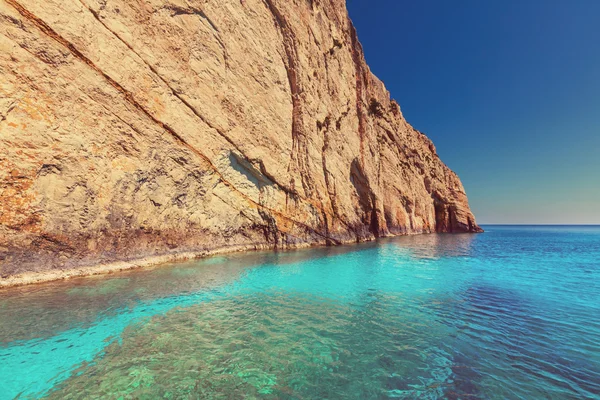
x=135 y=130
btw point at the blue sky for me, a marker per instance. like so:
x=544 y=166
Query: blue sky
x=509 y=92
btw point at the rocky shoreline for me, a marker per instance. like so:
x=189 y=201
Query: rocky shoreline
x=135 y=129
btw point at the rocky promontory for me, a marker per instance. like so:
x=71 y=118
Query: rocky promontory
x=162 y=128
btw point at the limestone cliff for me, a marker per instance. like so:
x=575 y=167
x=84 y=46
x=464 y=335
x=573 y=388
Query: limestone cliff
x=133 y=128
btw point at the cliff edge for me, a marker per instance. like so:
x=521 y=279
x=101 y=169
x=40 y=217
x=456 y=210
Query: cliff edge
x=131 y=129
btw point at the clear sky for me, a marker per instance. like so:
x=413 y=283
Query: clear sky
x=509 y=92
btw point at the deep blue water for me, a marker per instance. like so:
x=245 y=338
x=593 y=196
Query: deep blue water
x=510 y=314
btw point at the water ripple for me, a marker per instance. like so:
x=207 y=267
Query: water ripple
x=511 y=314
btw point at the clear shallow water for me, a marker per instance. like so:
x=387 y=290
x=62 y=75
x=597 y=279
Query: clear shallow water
x=510 y=314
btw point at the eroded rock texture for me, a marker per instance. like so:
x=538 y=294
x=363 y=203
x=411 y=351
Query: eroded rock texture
x=131 y=128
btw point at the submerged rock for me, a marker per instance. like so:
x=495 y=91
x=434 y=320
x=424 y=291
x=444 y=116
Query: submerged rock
x=135 y=129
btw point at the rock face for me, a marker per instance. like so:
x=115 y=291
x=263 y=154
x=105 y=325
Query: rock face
x=133 y=128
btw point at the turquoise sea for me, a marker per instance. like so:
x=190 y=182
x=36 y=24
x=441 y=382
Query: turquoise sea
x=513 y=313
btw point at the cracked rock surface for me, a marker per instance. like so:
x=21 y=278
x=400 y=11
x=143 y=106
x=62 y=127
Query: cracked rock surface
x=131 y=129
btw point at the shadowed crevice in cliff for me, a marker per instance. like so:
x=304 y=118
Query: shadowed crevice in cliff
x=446 y=220
x=47 y=30
x=329 y=183
x=444 y=215
x=366 y=197
x=241 y=165
x=299 y=155
x=249 y=179
x=361 y=84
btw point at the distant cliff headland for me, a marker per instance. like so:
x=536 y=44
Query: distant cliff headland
x=162 y=129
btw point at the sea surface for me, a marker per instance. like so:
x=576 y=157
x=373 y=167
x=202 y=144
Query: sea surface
x=513 y=313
